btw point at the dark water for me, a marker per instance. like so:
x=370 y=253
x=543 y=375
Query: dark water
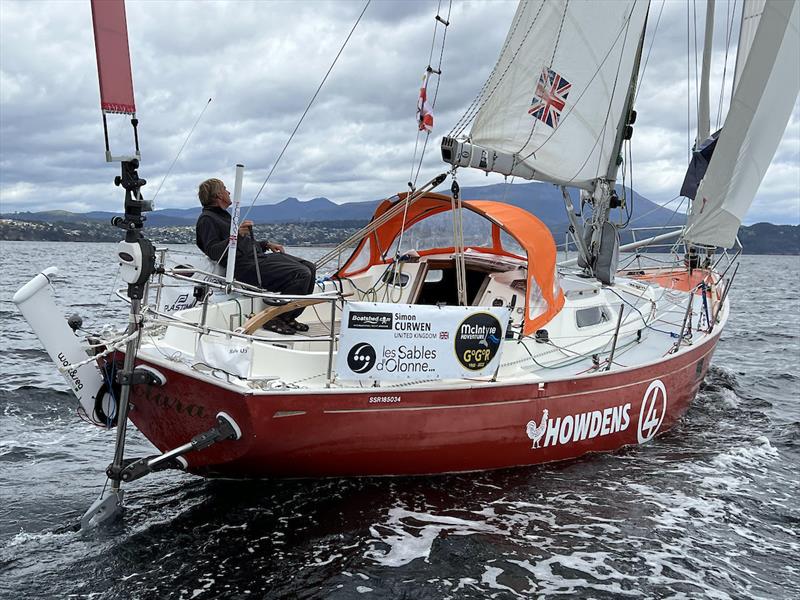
x=708 y=510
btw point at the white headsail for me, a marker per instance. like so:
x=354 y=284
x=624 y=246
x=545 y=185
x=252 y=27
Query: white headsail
x=751 y=15
x=703 y=112
x=553 y=104
x=761 y=105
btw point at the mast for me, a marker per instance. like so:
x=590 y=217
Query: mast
x=628 y=115
x=603 y=249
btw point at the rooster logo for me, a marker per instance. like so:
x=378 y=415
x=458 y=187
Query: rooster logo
x=535 y=433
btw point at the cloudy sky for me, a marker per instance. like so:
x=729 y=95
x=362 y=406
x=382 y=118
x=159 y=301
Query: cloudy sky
x=262 y=61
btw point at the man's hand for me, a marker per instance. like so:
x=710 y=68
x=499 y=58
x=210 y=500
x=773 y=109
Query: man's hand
x=274 y=247
x=245 y=228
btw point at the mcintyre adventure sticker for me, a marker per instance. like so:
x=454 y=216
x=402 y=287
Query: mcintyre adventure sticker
x=477 y=340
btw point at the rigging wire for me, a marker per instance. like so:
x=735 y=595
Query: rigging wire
x=729 y=19
x=656 y=208
x=613 y=92
x=177 y=156
x=438 y=71
x=413 y=177
x=696 y=70
x=650 y=49
x=627 y=169
x=688 y=93
x=305 y=112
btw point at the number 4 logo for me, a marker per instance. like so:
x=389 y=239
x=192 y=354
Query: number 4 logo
x=654 y=407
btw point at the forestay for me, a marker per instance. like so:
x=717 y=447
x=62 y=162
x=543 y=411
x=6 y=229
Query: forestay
x=555 y=98
x=762 y=103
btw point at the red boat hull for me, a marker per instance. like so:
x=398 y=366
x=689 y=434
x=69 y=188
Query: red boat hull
x=406 y=432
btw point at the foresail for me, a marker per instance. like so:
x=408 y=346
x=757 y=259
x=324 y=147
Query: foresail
x=751 y=15
x=760 y=109
x=555 y=99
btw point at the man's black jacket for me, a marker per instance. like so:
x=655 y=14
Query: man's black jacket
x=211 y=235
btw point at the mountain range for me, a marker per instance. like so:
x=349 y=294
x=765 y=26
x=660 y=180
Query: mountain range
x=541 y=199
x=321 y=222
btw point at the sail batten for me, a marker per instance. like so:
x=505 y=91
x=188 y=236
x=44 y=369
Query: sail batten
x=554 y=102
x=761 y=106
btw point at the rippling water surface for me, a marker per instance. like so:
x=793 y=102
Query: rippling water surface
x=710 y=509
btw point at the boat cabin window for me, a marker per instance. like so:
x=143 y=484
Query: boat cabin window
x=437 y=232
x=537 y=305
x=511 y=245
x=395 y=278
x=434 y=276
x=594 y=315
x=362 y=260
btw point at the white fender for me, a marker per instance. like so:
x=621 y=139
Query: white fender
x=37 y=304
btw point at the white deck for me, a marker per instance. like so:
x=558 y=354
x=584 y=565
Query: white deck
x=653 y=318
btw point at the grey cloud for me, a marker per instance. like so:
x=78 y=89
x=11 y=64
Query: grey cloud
x=261 y=61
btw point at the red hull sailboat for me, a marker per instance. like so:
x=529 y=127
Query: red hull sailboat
x=422 y=431
x=448 y=338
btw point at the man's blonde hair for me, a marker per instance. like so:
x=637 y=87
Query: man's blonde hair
x=208 y=192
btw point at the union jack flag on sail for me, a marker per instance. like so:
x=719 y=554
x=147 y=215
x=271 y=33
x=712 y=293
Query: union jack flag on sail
x=550 y=97
x=424 y=110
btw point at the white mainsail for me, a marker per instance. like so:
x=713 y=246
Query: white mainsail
x=761 y=105
x=554 y=101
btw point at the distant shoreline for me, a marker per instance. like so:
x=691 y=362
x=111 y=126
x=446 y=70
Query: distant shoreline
x=759 y=239
x=301 y=246
x=157 y=244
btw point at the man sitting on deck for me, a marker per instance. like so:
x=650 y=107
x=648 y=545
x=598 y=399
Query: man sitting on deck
x=279 y=272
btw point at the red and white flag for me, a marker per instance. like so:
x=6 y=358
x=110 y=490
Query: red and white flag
x=424 y=111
